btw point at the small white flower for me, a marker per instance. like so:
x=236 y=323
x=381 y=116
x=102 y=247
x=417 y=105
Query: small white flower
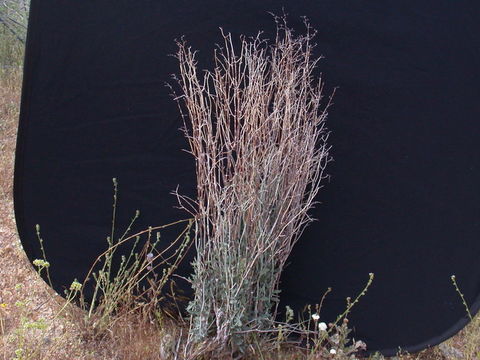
x=360 y=345
x=333 y=351
x=322 y=326
x=149 y=257
x=315 y=317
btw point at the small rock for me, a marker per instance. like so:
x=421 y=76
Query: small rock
x=167 y=345
x=450 y=352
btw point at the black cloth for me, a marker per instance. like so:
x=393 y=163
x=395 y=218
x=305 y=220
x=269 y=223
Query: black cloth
x=403 y=198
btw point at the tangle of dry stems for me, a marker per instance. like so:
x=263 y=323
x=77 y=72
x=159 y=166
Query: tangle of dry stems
x=256 y=128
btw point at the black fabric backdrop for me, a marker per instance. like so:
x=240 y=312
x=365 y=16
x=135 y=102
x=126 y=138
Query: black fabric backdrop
x=403 y=199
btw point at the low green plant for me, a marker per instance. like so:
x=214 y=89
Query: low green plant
x=472 y=350
x=27 y=338
x=309 y=337
x=334 y=338
x=134 y=286
x=120 y=292
x=462 y=297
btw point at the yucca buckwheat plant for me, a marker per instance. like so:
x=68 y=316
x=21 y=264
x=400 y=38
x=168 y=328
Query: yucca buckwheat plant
x=256 y=128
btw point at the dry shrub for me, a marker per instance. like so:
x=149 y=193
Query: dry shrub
x=256 y=128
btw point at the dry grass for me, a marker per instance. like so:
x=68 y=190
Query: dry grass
x=27 y=300
x=10 y=83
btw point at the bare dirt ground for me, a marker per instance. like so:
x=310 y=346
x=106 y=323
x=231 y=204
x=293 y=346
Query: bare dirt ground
x=30 y=324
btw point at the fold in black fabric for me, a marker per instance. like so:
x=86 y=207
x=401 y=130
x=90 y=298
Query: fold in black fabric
x=403 y=198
